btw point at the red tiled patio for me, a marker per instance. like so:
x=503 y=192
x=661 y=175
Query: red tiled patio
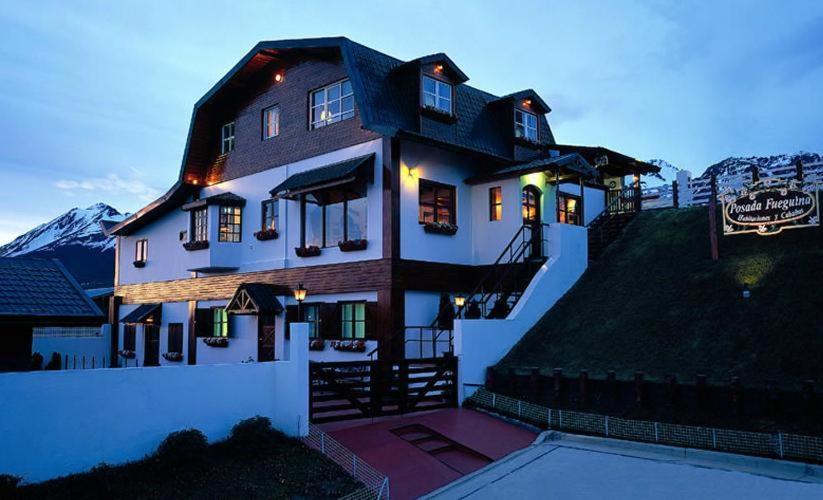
x=423 y=451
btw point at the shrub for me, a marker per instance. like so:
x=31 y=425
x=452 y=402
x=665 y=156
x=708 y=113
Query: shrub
x=182 y=447
x=8 y=485
x=37 y=361
x=255 y=435
x=55 y=362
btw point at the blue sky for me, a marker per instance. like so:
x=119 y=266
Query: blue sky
x=95 y=97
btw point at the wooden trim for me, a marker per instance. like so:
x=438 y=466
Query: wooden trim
x=192 y=337
x=391 y=198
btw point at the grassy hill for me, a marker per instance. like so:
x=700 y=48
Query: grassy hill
x=656 y=302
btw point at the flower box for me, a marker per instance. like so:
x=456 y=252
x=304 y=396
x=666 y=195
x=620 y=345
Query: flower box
x=317 y=344
x=173 y=356
x=139 y=263
x=440 y=228
x=352 y=245
x=439 y=114
x=309 y=251
x=350 y=346
x=267 y=234
x=127 y=354
x=195 y=245
x=216 y=341
x=524 y=141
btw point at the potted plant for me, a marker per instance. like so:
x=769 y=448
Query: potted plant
x=267 y=234
x=317 y=344
x=195 y=245
x=127 y=354
x=216 y=341
x=350 y=346
x=309 y=251
x=440 y=228
x=352 y=245
x=173 y=356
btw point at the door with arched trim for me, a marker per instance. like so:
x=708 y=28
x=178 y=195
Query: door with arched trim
x=530 y=201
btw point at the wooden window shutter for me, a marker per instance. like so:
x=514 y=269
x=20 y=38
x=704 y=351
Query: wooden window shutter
x=329 y=321
x=371 y=320
x=203 y=322
x=291 y=317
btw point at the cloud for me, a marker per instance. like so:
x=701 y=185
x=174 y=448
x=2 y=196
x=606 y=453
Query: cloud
x=112 y=184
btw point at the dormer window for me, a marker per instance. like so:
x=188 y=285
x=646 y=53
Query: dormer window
x=525 y=125
x=332 y=103
x=437 y=95
x=227 y=138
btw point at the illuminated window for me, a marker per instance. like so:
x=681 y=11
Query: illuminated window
x=220 y=322
x=437 y=94
x=199 y=225
x=525 y=125
x=353 y=320
x=271 y=122
x=495 y=203
x=141 y=250
x=229 y=224
x=331 y=223
x=568 y=211
x=332 y=104
x=530 y=203
x=436 y=203
x=270 y=215
x=227 y=138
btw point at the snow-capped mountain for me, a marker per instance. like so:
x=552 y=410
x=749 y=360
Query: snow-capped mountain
x=668 y=172
x=77 y=240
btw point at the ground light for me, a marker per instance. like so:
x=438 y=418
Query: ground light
x=746 y=292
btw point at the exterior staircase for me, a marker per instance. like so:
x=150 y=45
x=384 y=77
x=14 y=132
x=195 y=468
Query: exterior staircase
x=621 y=208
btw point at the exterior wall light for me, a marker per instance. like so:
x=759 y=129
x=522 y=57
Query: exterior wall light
x=459 y=301
x=299 y=295
x=278 y=77
x=439 y=68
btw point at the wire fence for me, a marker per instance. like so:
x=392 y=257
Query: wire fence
x=777 y=445
x=376 y=485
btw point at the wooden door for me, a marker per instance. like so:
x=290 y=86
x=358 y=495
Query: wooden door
x=151 y=345
x=265 y=337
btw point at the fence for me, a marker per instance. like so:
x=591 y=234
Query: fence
x=779 y=445
x=376 y=485
x=66 y=332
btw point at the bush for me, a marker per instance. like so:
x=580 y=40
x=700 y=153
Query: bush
x=55 y=362
x=36 y=361
x=8 y=485
x=182 y=447
x=255 y=435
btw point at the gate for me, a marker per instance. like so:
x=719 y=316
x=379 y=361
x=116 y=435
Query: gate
x=361 y=389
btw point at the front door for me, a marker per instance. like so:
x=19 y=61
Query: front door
x=151 y=345
x=531 y=216
x=265 y=337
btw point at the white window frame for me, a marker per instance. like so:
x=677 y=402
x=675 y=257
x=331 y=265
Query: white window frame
x=200 y=224
x=227 y=138
x=141 y=250
x=269 y=123
x=529 y=132
x=327 y=118
x=439 y=95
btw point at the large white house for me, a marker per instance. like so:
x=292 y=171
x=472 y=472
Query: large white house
x=386 y=189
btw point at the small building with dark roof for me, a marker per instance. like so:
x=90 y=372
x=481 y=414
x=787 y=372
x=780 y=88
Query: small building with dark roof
x=38 y=293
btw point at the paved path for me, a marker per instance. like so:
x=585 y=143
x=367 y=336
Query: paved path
x=414 y=471
x=580 y=468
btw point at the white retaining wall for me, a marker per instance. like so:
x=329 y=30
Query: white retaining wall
x=75 y=347
x=480 y=343
x=57 y=423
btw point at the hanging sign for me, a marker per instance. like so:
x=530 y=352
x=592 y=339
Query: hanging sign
x=768 y=209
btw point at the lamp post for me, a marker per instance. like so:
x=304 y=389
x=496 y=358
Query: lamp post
x=299 y=296
x=459 y=301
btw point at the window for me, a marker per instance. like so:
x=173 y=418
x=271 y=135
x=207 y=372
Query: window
x=229 y=225
x=199 y=225
x=525 y=125
x=436 y=203
x=227 y=138
x=530 y=200
x=129 y=337
x=332 y=104
x=220 y=322
x=353 y=320
x=175 y=339
x=437 y=94
x=270 y=214
x=141 y=250
x=495 y=203
x=568 y=209
x=271 y=122
x=329 y=224
x=311 y=315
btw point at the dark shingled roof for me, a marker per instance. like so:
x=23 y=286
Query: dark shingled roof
x=223 y=199
x=572 y=162
x=140 y=314
x=262 y=295
x=334 y=174
x=43 y=290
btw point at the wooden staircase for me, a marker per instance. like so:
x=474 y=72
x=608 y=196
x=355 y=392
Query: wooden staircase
x=604 y=231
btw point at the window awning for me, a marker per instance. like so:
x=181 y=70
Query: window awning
x=145 y=313
x=316 y=179
x=222 y=199
x=254 y=298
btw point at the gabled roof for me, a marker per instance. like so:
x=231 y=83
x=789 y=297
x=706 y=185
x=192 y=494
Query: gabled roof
x=43 y=292
x=145 y=313
x=570 y=163
x=439 y=58
x=619 y=162
x=331 y=175
x=529 y=94
x=254 y=298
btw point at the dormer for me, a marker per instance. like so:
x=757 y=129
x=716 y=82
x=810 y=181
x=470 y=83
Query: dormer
x=523 y=111
x=437 y=78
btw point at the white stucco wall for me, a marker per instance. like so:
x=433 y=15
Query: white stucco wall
x=594 y=200
x=168 y=260
x=93 y=349
x=480 y=343
x=57 y=423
